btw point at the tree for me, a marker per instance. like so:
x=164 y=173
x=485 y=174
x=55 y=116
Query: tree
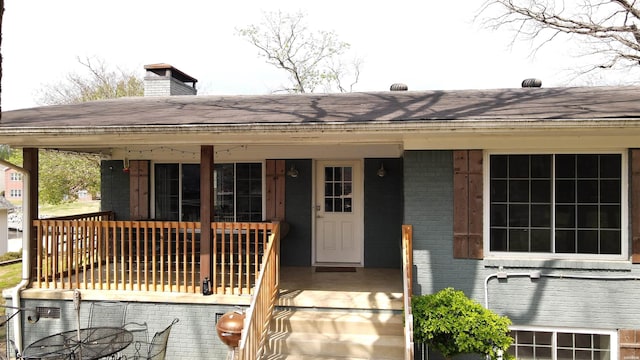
x=609 y=28
x=100 y=82
x=312 y=60
x=64 y=174
x=453 y=324
x=5 y=151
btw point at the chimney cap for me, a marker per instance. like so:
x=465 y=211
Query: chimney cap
x=177 y=74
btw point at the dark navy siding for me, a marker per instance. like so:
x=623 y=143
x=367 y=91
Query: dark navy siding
x=382 y=213
x=295 y=248
x=114 y=189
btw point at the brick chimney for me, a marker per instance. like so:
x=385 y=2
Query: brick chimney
x=165 y=80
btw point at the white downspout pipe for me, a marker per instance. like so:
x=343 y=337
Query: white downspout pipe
x=26 y=251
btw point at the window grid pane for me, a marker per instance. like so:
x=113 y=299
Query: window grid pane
x=167 y=190
x=224 y=189
x=238 y=189
x=338 y=189
x=588 y=204
x=536 y=345
x=562 y=203
x=248 y=192
x=190 y=192
x=520 y=202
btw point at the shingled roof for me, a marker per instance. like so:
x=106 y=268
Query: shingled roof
x=585 y=103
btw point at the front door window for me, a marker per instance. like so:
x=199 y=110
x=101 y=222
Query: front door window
x=338 y=183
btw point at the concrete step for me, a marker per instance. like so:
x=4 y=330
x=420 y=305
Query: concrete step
x=336 y=345
x=309 y=357
x=341 y=299
x=335 y=334
x=343 y=322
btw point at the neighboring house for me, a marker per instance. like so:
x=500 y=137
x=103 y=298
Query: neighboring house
x=12 y=181
x=5 y=206
x=526 y=199
x=2 y=179
x=13 y=185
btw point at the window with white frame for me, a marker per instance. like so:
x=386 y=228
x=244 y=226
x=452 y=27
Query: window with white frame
x=552 y=344
x=15 y=193
x=237 y=191
x=15 y=176
x=556 y=203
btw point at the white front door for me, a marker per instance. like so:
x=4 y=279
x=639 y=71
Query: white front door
x=339 y=213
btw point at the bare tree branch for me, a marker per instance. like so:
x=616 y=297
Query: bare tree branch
x=609 y=28
x=100 y=83
x=309 y=59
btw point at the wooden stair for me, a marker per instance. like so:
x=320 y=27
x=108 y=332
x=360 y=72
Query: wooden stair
x=312 y=333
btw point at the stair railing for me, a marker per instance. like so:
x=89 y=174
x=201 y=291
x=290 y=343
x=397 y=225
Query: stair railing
x=407 y=276
x=258 y=316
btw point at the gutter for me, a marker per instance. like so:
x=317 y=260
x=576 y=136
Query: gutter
x=26 y=252
x=437 y=124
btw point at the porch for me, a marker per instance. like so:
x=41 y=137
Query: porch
x=136 y=261
x=93 y=252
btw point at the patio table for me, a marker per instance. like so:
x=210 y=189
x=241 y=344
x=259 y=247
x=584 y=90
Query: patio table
x=84 y=344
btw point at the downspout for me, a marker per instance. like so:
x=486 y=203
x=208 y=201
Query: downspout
x=26 y=251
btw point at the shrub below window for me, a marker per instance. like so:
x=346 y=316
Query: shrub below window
x=451 y=323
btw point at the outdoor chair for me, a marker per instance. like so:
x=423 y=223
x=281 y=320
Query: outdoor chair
x=140 y=333
x=107 y=314
x=154 y=350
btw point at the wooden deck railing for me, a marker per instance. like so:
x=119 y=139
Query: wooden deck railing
x=407 y=276
x=86 y=253
x=258 y=316
x=96 y=216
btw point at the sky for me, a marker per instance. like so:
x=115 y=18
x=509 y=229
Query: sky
x=428 y=45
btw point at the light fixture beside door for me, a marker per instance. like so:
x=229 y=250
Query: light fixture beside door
x=381 y=171
x=293 y=172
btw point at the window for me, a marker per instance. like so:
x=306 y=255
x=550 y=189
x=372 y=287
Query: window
x=562 y=345
x=167 y=191
x=16 y=176
x=237 y=189
x=338 y=188
x=556 y=203
x=15 y=193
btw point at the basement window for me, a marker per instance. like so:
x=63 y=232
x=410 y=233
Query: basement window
x=550 y=344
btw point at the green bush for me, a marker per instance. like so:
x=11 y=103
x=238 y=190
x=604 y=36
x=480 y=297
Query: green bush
x=452 y=324
x=11 y=256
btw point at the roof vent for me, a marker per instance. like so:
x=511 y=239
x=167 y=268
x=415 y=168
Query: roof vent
x=531 y=83
x=398 y=87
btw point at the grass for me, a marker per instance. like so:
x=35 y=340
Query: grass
x=10 y=276
x=78 y=207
